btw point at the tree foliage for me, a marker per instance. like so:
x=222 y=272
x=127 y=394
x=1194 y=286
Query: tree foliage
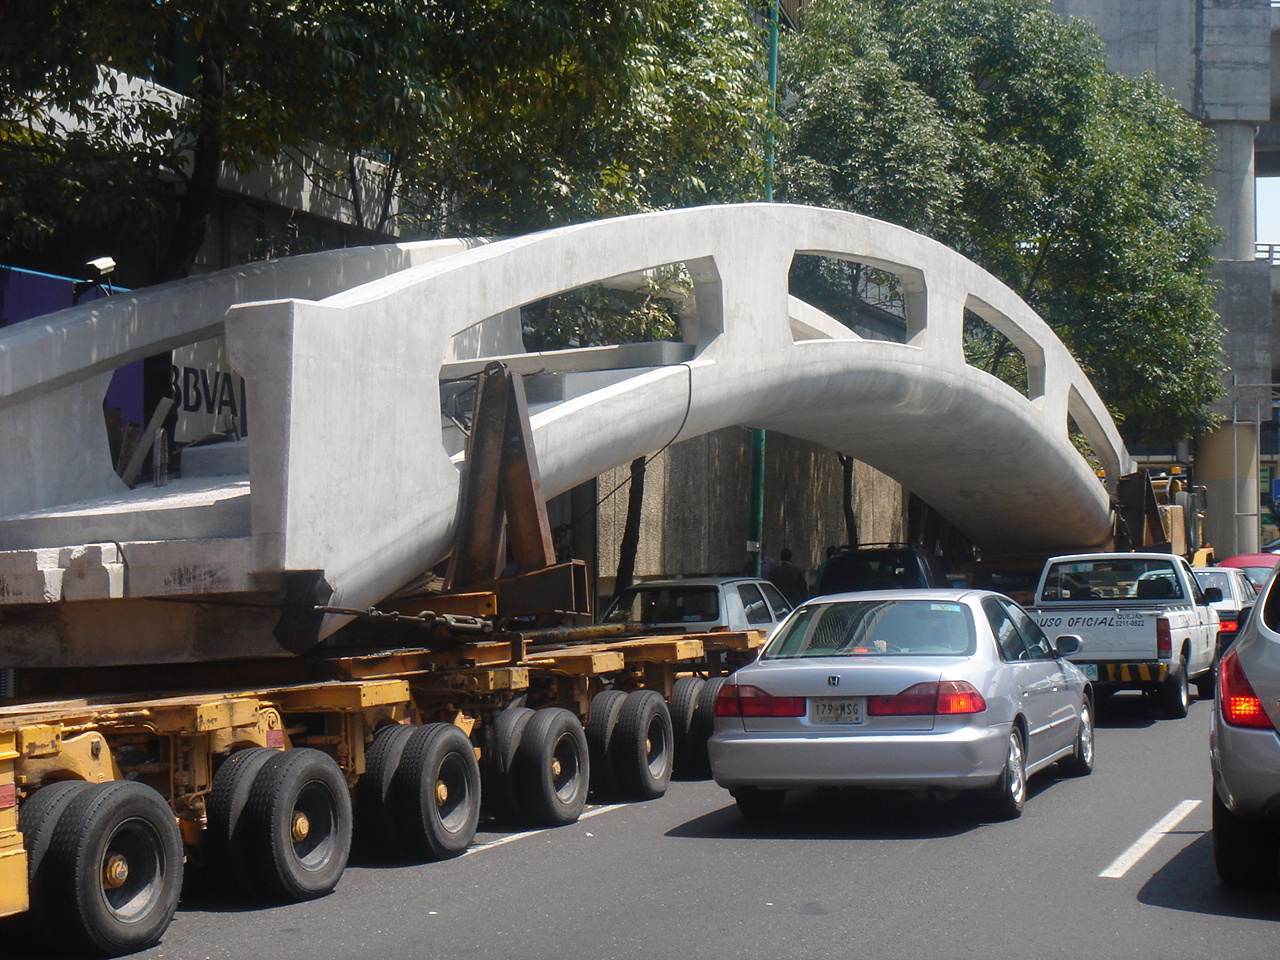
x=435 y=116
x=993 y=126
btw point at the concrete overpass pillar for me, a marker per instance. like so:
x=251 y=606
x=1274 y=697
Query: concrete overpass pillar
x=1233 y=181
x=1227 y=466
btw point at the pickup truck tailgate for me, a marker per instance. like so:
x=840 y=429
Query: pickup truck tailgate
x=1130 y=634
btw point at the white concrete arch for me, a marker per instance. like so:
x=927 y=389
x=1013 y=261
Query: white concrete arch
x=353 y=472
x=998 y=465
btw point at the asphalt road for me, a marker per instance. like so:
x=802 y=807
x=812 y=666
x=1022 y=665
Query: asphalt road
x=883 y=877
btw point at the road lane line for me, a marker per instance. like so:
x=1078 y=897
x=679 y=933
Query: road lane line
x=1142 y=846
x=586 y=814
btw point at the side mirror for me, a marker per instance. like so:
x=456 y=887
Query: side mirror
x=1212 y=594
x=1067 y=644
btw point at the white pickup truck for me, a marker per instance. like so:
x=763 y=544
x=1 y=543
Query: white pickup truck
x=1143 y=621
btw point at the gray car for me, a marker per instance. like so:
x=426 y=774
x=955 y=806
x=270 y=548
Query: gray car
x=1244 y=749
x=929 y=691
x=700 y=604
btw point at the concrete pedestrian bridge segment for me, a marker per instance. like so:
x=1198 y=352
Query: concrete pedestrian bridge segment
x=353 y=469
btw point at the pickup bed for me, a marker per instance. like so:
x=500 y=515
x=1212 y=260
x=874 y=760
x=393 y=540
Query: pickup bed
x=1143 y=621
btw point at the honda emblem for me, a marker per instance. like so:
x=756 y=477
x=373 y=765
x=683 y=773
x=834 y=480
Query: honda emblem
x=833 y=681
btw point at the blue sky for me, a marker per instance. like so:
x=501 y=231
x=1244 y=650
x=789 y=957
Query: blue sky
x=1269 y=210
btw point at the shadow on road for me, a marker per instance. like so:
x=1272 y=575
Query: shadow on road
x=1131 y=710
x=851 y=815
x=1189 y=883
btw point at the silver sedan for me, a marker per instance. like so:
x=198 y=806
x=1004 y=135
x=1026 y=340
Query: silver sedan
x=929 y=691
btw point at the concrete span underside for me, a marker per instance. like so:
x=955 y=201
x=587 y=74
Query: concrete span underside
x=353 y=471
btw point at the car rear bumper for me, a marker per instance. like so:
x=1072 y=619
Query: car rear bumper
x=1124 y=676
x=965 y=758
x=1246 y=771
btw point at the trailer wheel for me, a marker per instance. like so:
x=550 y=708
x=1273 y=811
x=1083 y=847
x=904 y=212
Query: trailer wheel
x=436 y=792
x=684 y=701
x=702 y=726
x=375 y=821
x=297 y=825
x=224 y=837
x=551 y=768
x=37 y=818
x=602 y=720
x=641 y=747
x=116 y=861
x=497 y=787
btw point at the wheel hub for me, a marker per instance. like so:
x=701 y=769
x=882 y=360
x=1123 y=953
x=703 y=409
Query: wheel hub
x=556 y=768
x=115 y=871
x=442 y=792
x=301 y=826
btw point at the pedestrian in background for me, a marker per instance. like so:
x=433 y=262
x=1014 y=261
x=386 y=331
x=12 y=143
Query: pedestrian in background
x=790 y=579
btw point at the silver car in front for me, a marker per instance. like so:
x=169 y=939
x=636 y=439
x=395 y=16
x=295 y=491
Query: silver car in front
x=929 y=691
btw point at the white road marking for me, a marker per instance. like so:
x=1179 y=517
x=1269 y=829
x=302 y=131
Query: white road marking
x=480 y=847
x=1142 y=846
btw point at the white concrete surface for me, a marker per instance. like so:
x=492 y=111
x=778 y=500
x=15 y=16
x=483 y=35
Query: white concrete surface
x=353 y=473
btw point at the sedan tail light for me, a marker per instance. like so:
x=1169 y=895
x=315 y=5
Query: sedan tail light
x=1239 y=704
x=1228 y=626
x=745 y=700
x=948 y=697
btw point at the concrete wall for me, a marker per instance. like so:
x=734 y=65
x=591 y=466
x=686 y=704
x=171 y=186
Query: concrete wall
x=696 y=505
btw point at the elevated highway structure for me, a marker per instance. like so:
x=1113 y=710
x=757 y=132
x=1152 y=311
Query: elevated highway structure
x=346 y=486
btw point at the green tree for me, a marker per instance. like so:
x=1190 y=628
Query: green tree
x=993 y=126
x=433 y=115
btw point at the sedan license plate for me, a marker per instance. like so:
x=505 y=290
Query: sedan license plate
x=836 y=709
x=1090 y=670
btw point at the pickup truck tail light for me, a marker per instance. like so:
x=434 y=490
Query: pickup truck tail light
x=949 y=697
x=745 y=700
x=1239 y=704
x=1164 y=639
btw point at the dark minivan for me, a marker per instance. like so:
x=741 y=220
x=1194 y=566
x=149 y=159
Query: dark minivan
x=881 y=566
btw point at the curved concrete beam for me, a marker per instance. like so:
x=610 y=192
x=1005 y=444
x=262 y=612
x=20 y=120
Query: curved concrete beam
x=999 y=465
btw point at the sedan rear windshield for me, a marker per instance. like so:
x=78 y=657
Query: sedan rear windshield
x=691 y=604
x=1113 y=579
x=873 y=628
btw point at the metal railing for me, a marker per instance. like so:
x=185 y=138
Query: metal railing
x=1269 y=252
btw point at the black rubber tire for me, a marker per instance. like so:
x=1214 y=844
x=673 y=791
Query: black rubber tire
x=224 y=836
x=1009 y=795
x=552 y=768
x=120 y=827
x=497 y=786
x=1174 y=694
x=683 y=703
x=297 y=825
x=436 y=793
x=1207 y=683
x=1244 y=853
x=38 y=816
x=759 y=805
x=602 y=720
x=375 y=821
x=701 y=728
x=1080 y=763
x=641 y=750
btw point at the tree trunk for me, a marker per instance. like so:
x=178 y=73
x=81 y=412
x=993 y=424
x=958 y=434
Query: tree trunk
x=191 y=223
x=631 y=530
x=846 y=499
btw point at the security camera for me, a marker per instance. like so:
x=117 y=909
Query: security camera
x=103 y=265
